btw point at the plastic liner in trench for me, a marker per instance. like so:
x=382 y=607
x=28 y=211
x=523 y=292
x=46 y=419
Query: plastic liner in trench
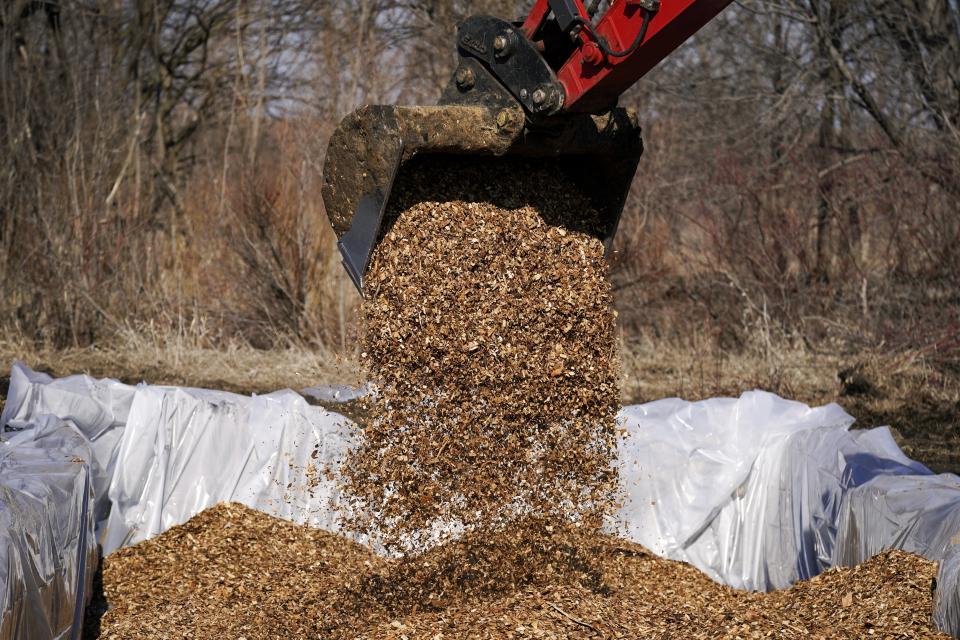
x=48 y=551
x=757 y=492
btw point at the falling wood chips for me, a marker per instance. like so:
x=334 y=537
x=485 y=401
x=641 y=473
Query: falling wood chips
x=489 y=330
x=232 y=572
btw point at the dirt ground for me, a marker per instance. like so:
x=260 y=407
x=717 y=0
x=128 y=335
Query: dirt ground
x=916 y=394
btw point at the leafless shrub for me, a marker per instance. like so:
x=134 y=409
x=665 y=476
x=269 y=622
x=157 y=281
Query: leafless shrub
x=803 y=158
x=286 y=285
x=160 y=161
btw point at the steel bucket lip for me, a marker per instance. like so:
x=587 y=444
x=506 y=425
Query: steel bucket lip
x=370 y=146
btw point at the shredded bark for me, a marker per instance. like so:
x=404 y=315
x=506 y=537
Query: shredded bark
x=489 y=329
x=232 y=572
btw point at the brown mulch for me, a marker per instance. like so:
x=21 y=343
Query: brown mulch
x=232 y=572
x=489 y=330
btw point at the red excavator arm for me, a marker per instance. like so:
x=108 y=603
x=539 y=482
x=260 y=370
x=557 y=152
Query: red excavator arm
x=567 y=57
x=629 y=39
x=544 y=88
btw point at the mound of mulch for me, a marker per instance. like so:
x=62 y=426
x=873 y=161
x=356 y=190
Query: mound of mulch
x=232 y=572
x=489 y=331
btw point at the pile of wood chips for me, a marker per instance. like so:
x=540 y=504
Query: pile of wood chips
x=232 y=572
x=489 y=330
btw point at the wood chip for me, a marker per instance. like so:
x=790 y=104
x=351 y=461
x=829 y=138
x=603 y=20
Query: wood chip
x=253 y=576
x=489 y=330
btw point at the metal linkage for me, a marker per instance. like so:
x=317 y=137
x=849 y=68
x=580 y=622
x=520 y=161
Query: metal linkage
x=610 y=54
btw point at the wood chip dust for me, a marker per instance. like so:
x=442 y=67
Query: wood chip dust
x=232 y=572
x=489 y=329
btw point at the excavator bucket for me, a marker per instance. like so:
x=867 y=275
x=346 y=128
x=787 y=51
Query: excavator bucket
x=597 y=155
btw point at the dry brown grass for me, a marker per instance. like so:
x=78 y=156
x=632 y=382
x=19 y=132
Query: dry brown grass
x=651 y=372
x=187 y=360
x=914 y=391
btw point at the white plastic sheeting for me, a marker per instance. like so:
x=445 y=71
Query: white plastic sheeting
x=748 y=490
x=758 y=492
x=163 y=454
x=920 y=514
x=946 y=611
x=184 y=450
x=87 y=460
x=703 y=480
x=97 y=408
x=47 y=545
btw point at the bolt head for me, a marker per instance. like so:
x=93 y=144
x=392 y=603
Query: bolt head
x=539 y=96
x=523 y=94
x=499 y=43
x=465 y=78
x=592 y=55
x=507 y=122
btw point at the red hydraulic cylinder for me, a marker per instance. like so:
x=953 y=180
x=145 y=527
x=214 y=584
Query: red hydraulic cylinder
x=592 y=82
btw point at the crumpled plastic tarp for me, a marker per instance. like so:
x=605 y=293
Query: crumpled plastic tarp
x=920 y=514
x=97 y=408
x=703 y=481
x=163 y=454
x=946 y=608
x=757 y=491
x=184 y=450
x=748 y=490
x=47 y=546
x=86 y=460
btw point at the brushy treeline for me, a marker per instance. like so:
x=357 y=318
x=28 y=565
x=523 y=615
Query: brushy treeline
x=160 y=165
